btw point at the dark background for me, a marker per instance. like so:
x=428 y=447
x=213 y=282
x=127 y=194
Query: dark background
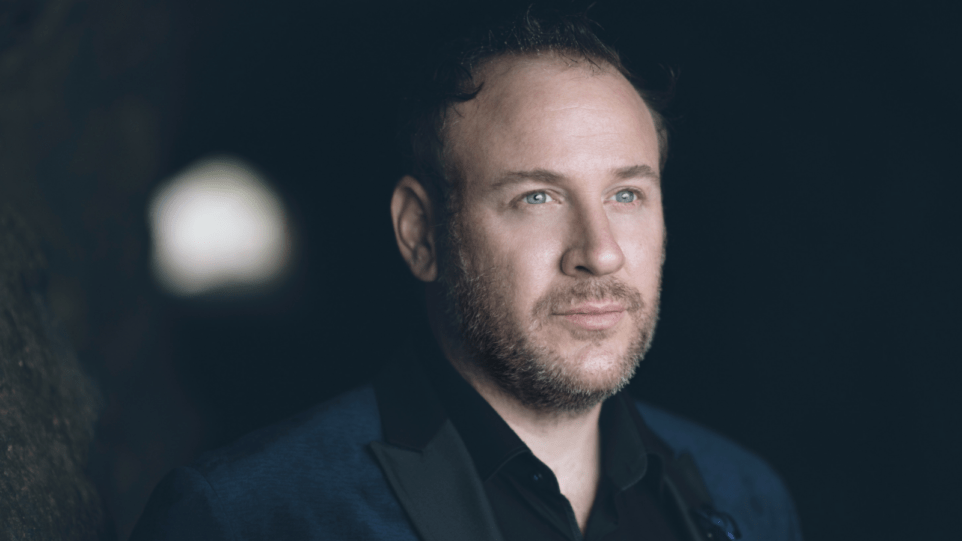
x=811 y=289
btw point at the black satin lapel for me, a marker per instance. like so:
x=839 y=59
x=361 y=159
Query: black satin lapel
x=411 y=413
x=684 y=486
x=680 y=509
x=439 y=488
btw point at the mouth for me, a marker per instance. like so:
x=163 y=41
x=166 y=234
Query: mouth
x=594 y=316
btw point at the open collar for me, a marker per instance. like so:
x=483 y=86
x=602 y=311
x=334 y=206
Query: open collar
x=421 y=391
x=423 y=458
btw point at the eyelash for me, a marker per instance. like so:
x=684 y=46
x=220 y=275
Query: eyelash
x=525 y=197
x=639 y=196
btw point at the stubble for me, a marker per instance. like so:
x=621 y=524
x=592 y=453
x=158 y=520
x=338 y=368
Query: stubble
x=509 y=352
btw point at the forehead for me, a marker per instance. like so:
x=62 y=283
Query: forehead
x=549 y=113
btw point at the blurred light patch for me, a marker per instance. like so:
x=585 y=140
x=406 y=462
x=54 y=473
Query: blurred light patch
x=217 y=226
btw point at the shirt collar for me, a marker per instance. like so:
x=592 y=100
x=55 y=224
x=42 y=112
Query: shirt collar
x=492 y=443
x=489 y=440
x=624 y=458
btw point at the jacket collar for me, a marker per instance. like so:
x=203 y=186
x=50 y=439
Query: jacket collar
x=411 y=412
x=423 y=458
x=420 y=391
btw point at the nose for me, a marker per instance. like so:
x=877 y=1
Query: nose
x=591 y=247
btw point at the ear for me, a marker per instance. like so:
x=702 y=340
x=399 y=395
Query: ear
x=411 y=214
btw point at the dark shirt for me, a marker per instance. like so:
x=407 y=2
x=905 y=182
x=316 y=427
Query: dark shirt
x=523 y=491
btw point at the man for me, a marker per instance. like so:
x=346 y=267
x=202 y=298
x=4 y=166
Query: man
x=533 y=214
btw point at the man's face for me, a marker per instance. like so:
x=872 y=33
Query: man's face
x=556 y=246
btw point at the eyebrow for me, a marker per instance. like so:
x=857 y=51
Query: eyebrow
x=637 y=171
x=551 y=177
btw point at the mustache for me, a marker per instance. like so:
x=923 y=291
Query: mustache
x=592 y=289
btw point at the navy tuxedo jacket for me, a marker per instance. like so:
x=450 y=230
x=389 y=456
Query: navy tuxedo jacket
x=369 y=465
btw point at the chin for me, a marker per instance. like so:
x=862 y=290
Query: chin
x=598 y=369
x=550 y=380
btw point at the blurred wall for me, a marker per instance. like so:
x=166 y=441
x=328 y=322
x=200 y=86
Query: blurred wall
x=89 y=92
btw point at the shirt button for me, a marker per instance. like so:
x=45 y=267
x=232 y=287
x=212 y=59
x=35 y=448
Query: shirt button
x=536 y=477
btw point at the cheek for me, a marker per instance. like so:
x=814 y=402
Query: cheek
x=643 y=247
x=518 y=262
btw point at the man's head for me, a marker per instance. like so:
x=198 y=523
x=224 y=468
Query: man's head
x=544 y=236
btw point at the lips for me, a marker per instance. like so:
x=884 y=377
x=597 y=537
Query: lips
x=594 y=316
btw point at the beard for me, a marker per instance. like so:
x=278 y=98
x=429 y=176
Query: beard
x=506 y=350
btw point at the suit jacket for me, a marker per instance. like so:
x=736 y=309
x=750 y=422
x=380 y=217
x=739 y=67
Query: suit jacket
x=380 y=463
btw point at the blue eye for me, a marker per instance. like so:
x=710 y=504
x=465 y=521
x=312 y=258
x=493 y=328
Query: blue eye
x=537 y=198
x=625 y=196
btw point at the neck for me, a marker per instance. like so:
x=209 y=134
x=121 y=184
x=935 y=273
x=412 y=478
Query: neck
x=568 y=443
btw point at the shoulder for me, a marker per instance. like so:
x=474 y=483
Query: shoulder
x=333 y=432
x=311 y=476
x=718 y=458
x=740 y=482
